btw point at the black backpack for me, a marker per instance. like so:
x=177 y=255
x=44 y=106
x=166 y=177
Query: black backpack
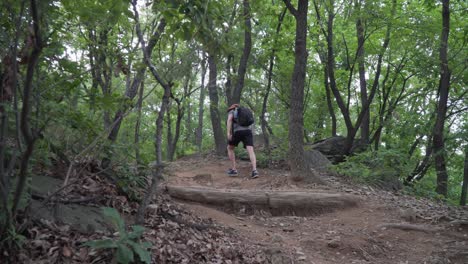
x=244 y=116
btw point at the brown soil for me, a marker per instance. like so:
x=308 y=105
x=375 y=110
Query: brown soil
x=384 y=228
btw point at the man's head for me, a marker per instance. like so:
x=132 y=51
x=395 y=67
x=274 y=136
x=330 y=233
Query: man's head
x=232 y=107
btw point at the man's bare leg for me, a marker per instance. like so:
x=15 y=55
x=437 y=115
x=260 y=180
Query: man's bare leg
x=253 y=159
x=232 y=156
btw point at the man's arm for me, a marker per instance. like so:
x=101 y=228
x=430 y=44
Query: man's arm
x=229 y=126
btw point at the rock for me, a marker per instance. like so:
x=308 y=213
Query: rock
x=317 y=160
x=81 y=218
x=276 y=256
x=333 y=147
x=334 y=243
x=205 y=179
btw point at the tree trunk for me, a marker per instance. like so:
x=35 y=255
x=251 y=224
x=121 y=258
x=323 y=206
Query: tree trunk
x=264 y=124
x=29 y=137
x=331 y=70
x=220 y=140
x=199 y=133
x=331 y=110
x=169 y=131
x=444 y=85
x=365 y=108
x=422 y=167
x=138 y=123
x=245 y=55
x=362 y=72
x=465 y=180
x=132 y=88
x=299 y=169
x=277 y=203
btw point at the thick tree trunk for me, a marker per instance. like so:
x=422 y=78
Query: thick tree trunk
x=220 y=140
x=444 y=85
x=299 y=169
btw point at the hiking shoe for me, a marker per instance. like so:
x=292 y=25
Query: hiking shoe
x=254 y=174
x=232 y=172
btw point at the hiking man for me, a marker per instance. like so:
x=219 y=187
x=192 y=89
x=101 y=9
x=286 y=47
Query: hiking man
x=240 y=130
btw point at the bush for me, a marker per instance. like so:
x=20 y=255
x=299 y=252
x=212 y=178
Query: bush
x=382 y=168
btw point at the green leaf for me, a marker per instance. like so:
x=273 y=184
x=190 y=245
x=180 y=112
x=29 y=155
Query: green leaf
x=141 y=250
x=97 y=244
x=124 y=254
x=115 y=218
x=137 y=232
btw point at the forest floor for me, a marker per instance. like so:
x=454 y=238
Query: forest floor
x=381 y=228
x=385 y=227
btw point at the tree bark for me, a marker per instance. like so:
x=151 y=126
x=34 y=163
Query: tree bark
x=465 y=180
x=362 y=72
x=237 y=93
x=444 y=85
x=264 y=124
x=199 y=133
x=28 y=135
x=278 y=203
x=299 y=168
x=220 y=140
x=138 y=123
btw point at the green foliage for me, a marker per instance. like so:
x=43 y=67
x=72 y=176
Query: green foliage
x=380 y=168
x=131 y=180
x=127 y=244
x=425 y=188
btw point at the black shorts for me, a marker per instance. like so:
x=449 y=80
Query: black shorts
x=244 y=136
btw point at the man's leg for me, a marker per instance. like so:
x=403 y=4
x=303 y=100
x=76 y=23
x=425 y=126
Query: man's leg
x=253 y=159
x=232 y=156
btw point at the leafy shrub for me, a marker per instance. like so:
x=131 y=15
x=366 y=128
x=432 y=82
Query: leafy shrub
x=127 y=245
x=382 y=168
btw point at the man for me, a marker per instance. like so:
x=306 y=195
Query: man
x=235 y=134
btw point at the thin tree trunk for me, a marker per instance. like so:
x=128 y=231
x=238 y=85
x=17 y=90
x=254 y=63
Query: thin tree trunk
x=331 y=70
x=169 y=132
x=245 y=55
x=263 y=120
x=220 y=140
x=362 y=72
x=138 y=123
x=422 y=167
x=28 y=136
x=140 y=215
x=331 y=110
x=199 y=138
x=444 y=85
x=465 y=180
x=365 y=108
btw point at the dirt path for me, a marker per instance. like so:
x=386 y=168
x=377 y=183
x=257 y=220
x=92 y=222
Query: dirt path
x=353 y=235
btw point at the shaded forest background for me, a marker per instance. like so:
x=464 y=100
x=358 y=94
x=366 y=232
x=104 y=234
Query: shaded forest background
x=125 y=86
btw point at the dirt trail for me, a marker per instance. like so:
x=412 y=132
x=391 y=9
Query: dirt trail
x=353 y=235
